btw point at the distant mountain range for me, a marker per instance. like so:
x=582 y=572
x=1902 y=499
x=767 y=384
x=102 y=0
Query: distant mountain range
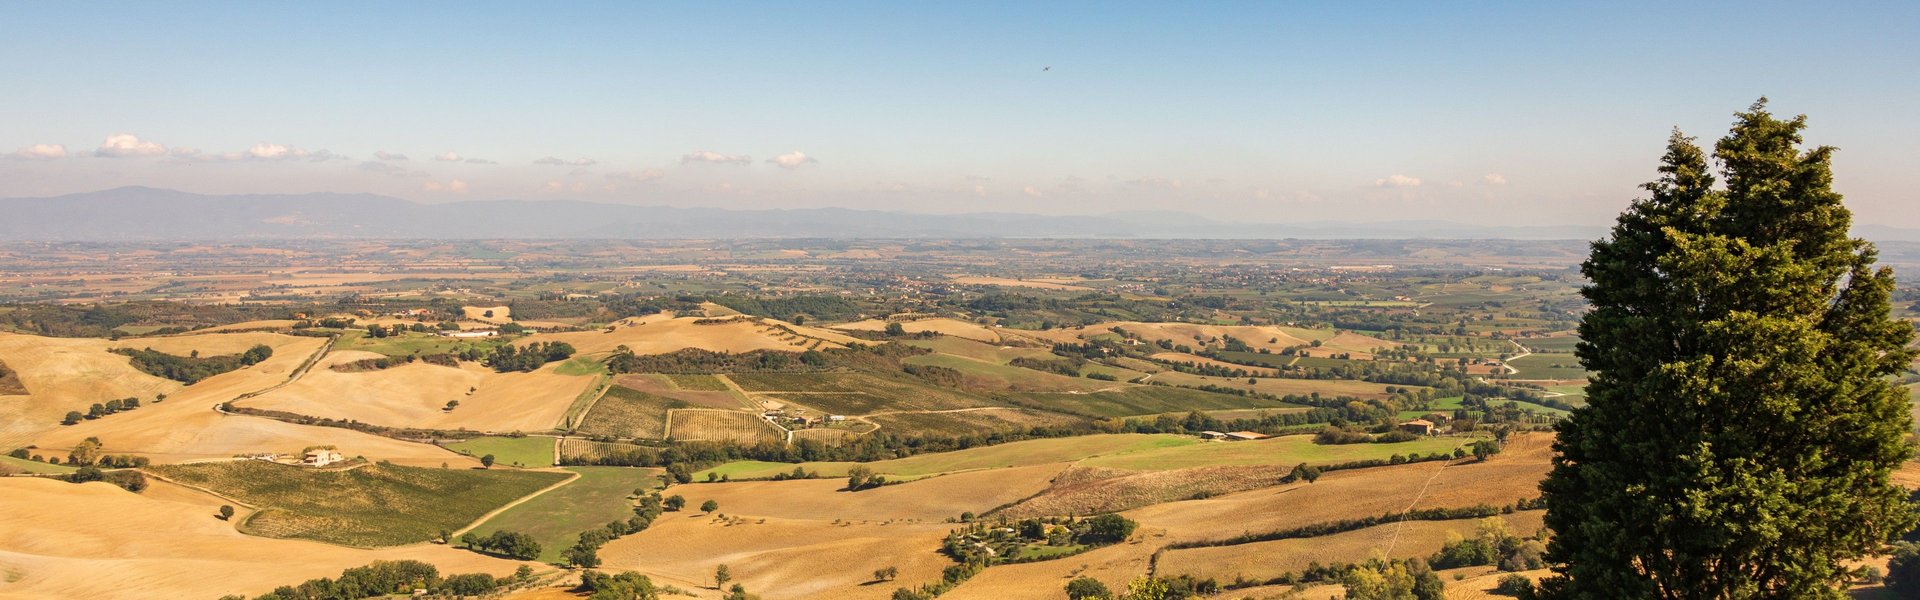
x=140 y=213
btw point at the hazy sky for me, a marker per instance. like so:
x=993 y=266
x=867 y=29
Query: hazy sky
x=1507 y=113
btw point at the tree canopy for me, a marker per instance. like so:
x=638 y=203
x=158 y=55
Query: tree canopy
x=1741 y=424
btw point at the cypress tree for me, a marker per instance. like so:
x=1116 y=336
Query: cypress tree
x=1741 y=424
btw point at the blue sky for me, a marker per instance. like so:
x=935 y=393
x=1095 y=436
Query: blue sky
x=1508 y=113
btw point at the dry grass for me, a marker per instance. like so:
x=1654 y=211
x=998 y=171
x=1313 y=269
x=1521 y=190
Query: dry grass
x=98 y=541
x=943 y=326
x=660 y=334
x=501 y=314
x=1041 y=284
x=65 y=374
x=1261 y=561
x=415 y=394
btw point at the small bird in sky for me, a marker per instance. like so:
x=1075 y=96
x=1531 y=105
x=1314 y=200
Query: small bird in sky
x=1047 y=68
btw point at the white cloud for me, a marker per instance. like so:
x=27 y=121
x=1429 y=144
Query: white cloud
x=127 y=144
x=706 y=156
x=640 y=176
x=185 y=152
x=271 y=152
x=1397 y=181
x=1031 y=191
x=556 y=161
x=452 y=187
x=792 y=160
x=41 y=152
x=450 y=156
x=1494 y=179
x=385 y=155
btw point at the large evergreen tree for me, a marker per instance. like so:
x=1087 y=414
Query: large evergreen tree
x=1741 y=423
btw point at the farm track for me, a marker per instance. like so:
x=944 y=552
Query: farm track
x=573 y=476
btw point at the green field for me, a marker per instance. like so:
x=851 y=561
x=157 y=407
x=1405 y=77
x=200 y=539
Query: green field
x=1139 y=400
x=556 y=518
x=1288 y=450
x=1575 y=394
x=580 y=366
x=34 y=466
x=1440 y=405
x=698 y=382
x=1007 y=377
x=1556 y=345
x=530 y=451
x=405 y=344
x=1542 y=366
x=978 y=350
x=1015 y=454
x=373 y=505
x=629 y=413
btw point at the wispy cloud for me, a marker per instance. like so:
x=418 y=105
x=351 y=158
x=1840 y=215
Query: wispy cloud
x=1494 y=179
x=1157 y=182
x=455 y=186
x=279 y=152
x=382 y=168
x=41 y=152
x=1397 y=181
x=449 y=156
x=792 y=160
x=126 y=144
x=389 y=156
x=1031 y=191
x=560 y=162
x=640 y=176
x=708 y=156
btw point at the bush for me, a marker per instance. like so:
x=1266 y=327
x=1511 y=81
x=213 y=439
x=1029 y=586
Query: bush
x=1515 y=584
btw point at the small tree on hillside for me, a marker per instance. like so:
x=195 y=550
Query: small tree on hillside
x=721 y=576
x=226 y=512
x=674 y=503
x=709 y=506
x=486 y=461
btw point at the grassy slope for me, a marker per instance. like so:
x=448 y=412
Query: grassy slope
x=514 y=452
x=34 y=466
x=1540 y=366
x=374 y=505
x=1140 y=400
x=626 y=412
x=1030 y=452
x=556 y=518
x=1287 y=450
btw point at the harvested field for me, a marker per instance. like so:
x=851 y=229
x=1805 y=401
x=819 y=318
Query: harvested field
x=717 y=425
x=659 y=334
x=556 y=518
x=1509 y=476
x=416 y=395
x=369 y=506
x=489 y=314
x=931 y=499
x=60 y=375
x=1042 y=284
x=1286 y=450
x=1261 y=561
x=1014 y=454
x=60 y=540
x=1092 y=490
x=943 y=326
x=628 y=413
x=186 y=427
